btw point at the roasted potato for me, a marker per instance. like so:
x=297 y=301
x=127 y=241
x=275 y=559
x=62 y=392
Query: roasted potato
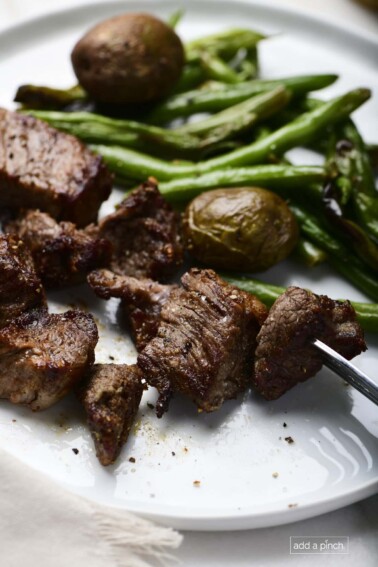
x=128 y=59
x=248 y=229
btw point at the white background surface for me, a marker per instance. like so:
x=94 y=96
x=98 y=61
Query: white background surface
x=269 y=546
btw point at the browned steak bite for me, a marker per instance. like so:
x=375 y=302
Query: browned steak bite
x=142 y=301
x=43 y=356
x=63 y=254
x=111 y=398
x=284 y=355
x=20 y=287
x=42 y=168
x=205 y=342
x=144 y=232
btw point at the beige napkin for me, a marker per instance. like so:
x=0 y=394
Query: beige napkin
x=43 y=524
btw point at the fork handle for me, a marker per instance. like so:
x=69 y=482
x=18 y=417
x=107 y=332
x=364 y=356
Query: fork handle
x=347 y=371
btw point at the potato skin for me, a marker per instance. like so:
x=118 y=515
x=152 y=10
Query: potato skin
x=245 y=229
x=130 y=58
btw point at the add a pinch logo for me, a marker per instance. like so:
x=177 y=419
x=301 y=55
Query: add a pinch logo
x=319 y=545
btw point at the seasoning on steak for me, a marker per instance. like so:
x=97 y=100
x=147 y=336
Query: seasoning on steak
x=144 y=232
x=63 y=254
x=142 y=301
x=205 y=342
x=43 y=356
x=20 y=287
x=284 y=355
x=111 y=398
x=42 y=168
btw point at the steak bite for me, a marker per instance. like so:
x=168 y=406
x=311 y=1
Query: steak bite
x=20 y=287
x=142 y=301
x=205 y=342
x=63 y=254
x=144 y=232
x=284 y=355
x=111 y=399
x=42 y=168
x=43 y=356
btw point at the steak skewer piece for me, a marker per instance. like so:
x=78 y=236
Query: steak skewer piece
x=63 y=254
x=111 y=399
x=42 y=356
x=20 y=287
x=285 y=354
x=205 y=343
x=141 y=300
x=144 y=232
x=42 y=168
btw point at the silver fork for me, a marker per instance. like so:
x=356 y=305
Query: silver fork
x=348 y=372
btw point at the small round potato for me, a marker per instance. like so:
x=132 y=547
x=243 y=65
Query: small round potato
x=247 y=229
x=127 y=59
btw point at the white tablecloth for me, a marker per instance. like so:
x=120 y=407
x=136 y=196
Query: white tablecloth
x=267 y=547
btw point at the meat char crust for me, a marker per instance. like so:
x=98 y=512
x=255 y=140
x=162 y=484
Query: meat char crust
x=43 y=356
x=63 y=254
x=284 y=356
x=142 y=301
x=144 y=232
x=205 y=342
x=111 y=398
x=20 y=287
x=42 y=168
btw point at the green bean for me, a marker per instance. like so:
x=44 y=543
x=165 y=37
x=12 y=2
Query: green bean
x=221 y=48
x=227 y=43
x=280 y=178
x=352 y=176
x=262 y=131
x=299 y=132
x=308 y=254
x=190 y=141
x=165 y=143
x=192 y=75
x=175 y=18
x=364 y=247
x=340 y=256
x=129 y=163
x=95 y=128
x=141 y=167
x=34 y=96
x=264 y=105
x=372 y=151
x=216 y=69
x=364 y=193
x=248 y=67
x=367 y=313
x=210 y=100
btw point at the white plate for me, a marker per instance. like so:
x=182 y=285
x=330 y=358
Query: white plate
x=235 y=452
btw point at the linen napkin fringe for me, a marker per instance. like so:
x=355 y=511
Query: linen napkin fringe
x=132 y=540
x=42 y=523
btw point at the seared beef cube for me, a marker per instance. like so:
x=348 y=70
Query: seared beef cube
x=205 y=342
x=111 y=398
x=144 y=234
x=20 y=287
x=284 y=356
x=142 y=301
x=42 y=168
x=63 y=254
x=43 y=356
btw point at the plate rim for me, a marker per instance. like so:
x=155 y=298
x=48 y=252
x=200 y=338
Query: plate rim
x=367 y=37
x=240 y=519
